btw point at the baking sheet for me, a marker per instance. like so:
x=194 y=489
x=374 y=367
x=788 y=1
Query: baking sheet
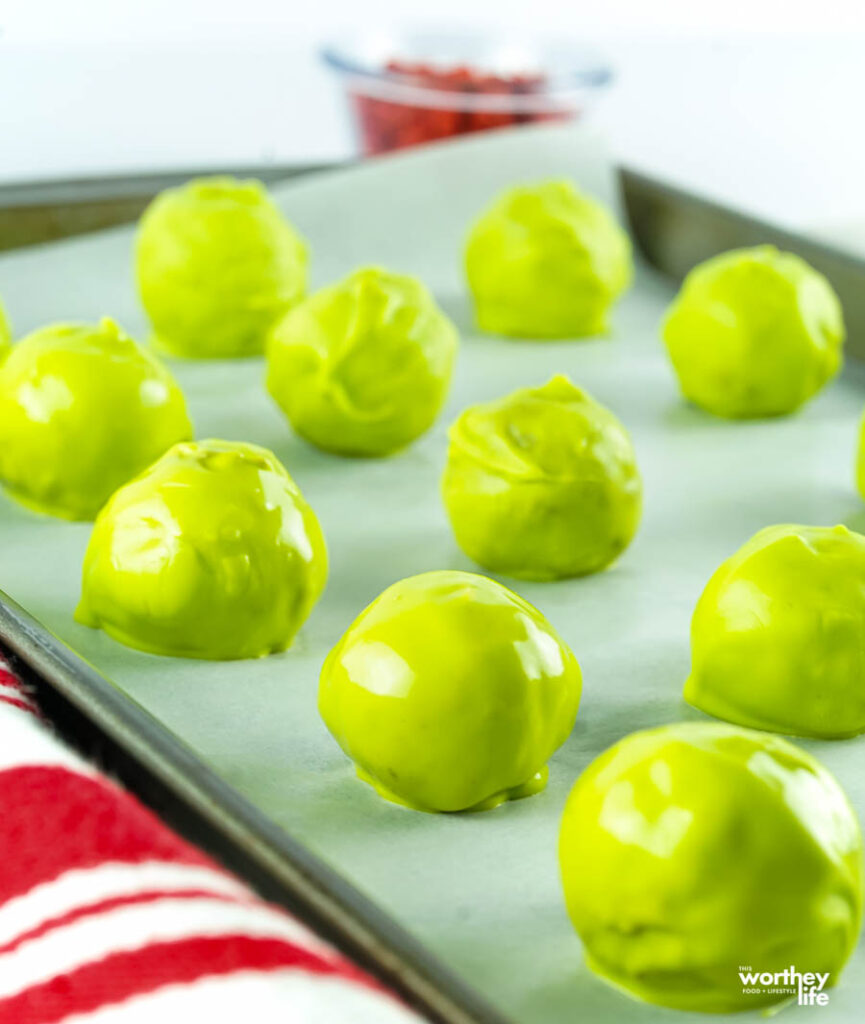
x=482 y=891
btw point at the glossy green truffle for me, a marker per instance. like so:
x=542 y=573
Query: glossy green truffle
x=450 y=692
x=217 y=265
x=695 y=851
x=362 y=367
x=754 y=332
x=83 y=409
x=5 y=333
x=860 y=460
x=546 y=261
x=777 y=636
x=542 y=484
x=211 y=553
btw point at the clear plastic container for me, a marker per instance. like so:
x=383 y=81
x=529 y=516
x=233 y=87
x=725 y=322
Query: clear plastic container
x=407 y=88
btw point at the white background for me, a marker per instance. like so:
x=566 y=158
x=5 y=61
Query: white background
x=757 y=102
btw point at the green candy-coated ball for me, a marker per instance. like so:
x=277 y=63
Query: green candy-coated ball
x=776 y=637
x=83 y=409
x=542 y=484
x=5 y=333
x=362 y=367
x=450 y=693
x=860 y=459
x=546 y=261
x=211 y=553
x=754 y=332
x=693 y=852
x=217 y=265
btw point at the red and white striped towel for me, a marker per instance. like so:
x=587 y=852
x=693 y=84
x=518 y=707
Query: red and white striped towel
x=107 y=917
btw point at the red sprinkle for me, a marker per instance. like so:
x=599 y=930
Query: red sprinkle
x=387 y=124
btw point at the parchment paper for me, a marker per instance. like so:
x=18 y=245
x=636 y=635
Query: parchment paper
x=481 y=890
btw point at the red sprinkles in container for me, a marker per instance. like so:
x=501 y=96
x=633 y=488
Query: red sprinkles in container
x=407 y=88
x=427 y=103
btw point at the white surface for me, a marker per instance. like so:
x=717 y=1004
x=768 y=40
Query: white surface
x=192 y=19
x=481 y=890
x=756 y=102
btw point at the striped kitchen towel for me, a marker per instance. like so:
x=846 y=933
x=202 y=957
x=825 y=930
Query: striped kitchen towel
x=107 y=917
